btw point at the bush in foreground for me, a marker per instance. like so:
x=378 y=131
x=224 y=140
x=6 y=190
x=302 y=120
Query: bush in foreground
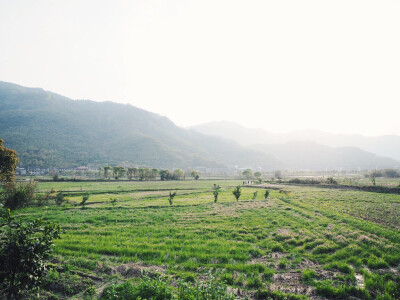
x=23 y=250
x=18 y=195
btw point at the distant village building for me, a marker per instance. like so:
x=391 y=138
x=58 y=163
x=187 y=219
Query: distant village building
x=82 y=169
x=20 y=171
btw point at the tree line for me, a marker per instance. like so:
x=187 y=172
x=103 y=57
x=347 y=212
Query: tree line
x=118 y=172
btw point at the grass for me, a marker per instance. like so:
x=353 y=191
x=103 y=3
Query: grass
x=311 y=240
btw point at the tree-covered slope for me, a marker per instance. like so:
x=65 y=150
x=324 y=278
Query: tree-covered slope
x=49 y=130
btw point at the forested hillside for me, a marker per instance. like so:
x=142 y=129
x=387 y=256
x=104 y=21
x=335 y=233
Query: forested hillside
x=49 y=130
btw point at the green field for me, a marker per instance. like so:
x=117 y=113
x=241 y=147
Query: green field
x=317 y=242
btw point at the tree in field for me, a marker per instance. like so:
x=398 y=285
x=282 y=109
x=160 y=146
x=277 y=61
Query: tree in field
x=8 y=163
x=135 y=172
x=258 y=175
x=237 y=191
x=171 y=197
x=107 y=172
x=118 y=172
x=255 y=195
x=153 y=174
x=147 y=174
x=178 y=174
x=266 y=194
x=165 y=175
x=129 y=173
x=247 y=173
x=372 y=177
x=15 y=195
x=143 y=173
x=121 y=172
x=100 y=170
x=24 y=247
x=216 y=191
x=195 y=175
x=132 y=173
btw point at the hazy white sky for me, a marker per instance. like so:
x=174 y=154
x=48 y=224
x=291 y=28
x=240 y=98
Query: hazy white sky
x=279 y=65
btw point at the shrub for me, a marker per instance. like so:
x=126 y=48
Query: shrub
x=23 y=250
x=266 y=194
x=84 y=199
x=18 y=195
x=304 y=181
x=331 y=180
x=59 y=198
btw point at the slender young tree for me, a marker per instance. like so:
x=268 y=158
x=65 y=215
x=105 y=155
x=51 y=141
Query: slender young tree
x=171 y=197
x=216 y=192
x=237 y=191
x=107 y=172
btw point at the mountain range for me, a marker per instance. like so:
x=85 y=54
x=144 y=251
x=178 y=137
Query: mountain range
x=50 y=130
x=385 y=145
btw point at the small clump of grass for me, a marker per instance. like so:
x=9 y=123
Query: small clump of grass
x=308 y=276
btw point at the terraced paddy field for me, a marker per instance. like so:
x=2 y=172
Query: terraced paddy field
x=301 y=243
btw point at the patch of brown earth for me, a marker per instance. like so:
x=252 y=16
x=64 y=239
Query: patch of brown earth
x=290 y=283
x=267 y=259
x=132 y=270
